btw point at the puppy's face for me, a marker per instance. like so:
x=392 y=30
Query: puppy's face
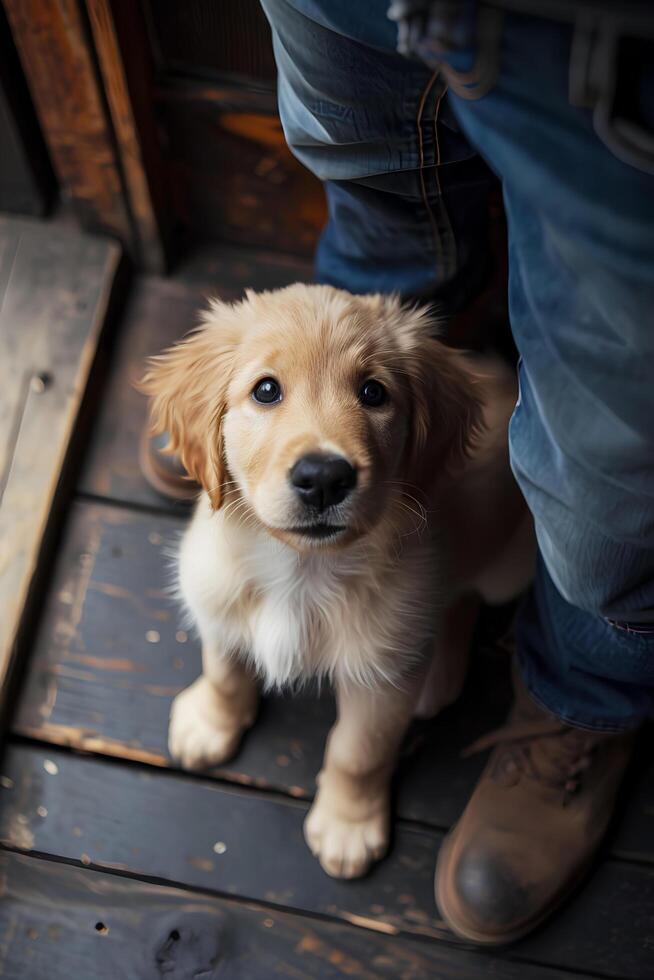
x=311 y=410
x=317 y=419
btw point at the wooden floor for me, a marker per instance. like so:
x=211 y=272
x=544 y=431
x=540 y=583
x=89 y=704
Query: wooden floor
x=115 y=864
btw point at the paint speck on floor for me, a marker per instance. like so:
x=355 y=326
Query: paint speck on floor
x=202 y=864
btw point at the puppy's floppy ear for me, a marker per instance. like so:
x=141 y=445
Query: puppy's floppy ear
x=187 y=385
x=446 y=405
x=447 y=411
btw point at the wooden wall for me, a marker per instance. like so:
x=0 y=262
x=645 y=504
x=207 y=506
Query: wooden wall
x=161 y=122
x=229 y=166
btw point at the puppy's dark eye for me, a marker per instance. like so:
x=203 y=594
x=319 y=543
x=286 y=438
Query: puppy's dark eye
x=372 y=393
x=267 y=391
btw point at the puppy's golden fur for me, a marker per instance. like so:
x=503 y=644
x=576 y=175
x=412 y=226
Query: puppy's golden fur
x=385 y=605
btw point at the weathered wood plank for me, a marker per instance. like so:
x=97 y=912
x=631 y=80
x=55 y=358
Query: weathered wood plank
x=53 y=309
x=58 y=922
x=112 y=651
x=158 y=313
x=189 y=831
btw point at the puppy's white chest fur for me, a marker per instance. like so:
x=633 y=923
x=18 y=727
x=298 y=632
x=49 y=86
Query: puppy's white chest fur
x=331 y=614
x=295 y=599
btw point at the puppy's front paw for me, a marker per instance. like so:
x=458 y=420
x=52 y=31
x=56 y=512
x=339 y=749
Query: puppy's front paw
x=346 y=847
x=202 y=732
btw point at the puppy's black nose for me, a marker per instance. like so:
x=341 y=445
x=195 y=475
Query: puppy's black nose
x=321 y=481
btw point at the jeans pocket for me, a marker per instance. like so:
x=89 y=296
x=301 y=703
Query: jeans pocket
x=612 y=74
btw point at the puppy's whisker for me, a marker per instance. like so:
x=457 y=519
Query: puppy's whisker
x=406 y=500
x=412 y=497
x=233 y=507
x=419 y=524
x=420 y=513
x=221 y=486
x=237 y=508
x=404 y=483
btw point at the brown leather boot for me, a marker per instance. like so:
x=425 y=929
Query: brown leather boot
x=163 y=471
x=532 y=826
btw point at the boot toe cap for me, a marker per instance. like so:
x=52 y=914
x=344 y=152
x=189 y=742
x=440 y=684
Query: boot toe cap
x=490 y=898
x=483 y=897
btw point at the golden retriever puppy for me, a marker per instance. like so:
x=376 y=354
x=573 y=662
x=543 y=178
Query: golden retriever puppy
x=357 y=505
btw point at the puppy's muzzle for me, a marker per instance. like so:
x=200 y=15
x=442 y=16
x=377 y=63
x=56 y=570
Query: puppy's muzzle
x=321 y=481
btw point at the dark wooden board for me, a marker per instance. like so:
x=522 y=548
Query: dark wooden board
x=158 y=313
x=189 y=831
x=167 y=827
x=96 y=680
x=59 y=922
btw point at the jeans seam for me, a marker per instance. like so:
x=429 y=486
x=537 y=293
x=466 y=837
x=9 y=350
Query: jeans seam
x=422 y=165
x=630 y=628
x=448 y=268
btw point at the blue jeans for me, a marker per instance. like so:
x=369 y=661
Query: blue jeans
x=563 y=115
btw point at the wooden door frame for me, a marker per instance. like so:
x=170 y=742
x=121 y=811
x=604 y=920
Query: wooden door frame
x=95 y=110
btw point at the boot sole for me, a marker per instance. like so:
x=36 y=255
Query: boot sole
x=506 y=938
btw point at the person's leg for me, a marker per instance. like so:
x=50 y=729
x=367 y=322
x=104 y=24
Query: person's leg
x=407 y=195
x=581 y=250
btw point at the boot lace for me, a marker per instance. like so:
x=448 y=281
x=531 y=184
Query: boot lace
x=551 y=753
